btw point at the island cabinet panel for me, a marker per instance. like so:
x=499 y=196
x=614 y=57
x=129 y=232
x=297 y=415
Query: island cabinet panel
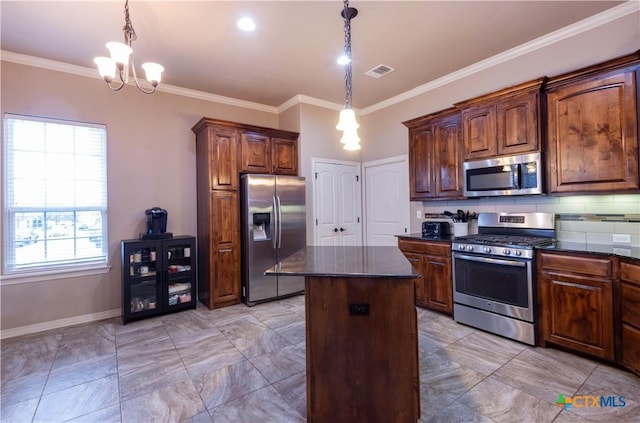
x=593 y=130
x=362 y=364
x=576 y=305
x=630 y=315
x=432 y=260
x=435 y=167
x=504 y=122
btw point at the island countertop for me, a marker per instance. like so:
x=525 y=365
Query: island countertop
x=352 y=261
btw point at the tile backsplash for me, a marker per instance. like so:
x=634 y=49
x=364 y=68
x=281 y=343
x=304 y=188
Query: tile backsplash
x=591 y=219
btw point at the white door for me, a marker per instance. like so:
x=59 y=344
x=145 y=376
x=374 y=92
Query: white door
x=386 y=185
x=337 y=207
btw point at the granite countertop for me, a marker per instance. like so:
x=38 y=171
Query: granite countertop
x=359 y=261
x=418 y=236
x=624 y=251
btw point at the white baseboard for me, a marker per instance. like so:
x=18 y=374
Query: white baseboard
x=60 y=323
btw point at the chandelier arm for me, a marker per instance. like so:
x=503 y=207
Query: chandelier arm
x=122 y=84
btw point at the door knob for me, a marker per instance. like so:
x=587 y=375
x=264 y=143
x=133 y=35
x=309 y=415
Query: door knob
x=342 y=229
x=335 y=229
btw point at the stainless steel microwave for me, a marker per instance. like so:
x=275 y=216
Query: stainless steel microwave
x=511 y=175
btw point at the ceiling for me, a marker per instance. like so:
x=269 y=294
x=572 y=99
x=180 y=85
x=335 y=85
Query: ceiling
x=294 y=48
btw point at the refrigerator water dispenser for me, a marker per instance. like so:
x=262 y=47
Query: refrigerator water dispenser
x=261 y=229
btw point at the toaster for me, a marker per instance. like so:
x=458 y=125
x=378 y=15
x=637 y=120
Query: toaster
x=431 y=228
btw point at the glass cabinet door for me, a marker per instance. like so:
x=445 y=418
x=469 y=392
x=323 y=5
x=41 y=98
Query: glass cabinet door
x=141 y=279
x=179 y=289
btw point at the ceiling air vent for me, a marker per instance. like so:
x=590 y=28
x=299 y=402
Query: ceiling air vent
x=379 y=71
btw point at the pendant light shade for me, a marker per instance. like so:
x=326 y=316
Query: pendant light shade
x=347 y=120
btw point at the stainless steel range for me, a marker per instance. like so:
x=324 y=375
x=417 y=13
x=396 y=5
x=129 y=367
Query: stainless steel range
x=494 y=273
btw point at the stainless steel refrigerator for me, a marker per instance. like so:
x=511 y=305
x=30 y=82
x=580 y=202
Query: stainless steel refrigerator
x=273 y=228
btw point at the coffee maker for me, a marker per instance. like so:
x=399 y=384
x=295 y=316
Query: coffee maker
x=156 y=218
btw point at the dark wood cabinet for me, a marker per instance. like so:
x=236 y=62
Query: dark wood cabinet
x=275 y=153
x=593 y=129
x=284 y=159
x=435 y=168
x=629 y=325
x=361 y=366
x=223 y=151
x=432 y=260
x=505 y=122
x=256 y=153
x=576 y=302
x=158 y=276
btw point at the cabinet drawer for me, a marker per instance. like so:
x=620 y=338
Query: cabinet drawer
x=592 y=266
x=433 y=248
x=631 y=304
x=631 y=348
x=630 y=272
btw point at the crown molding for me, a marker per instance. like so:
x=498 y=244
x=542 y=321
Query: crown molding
x=617 y=12
x=23 y=59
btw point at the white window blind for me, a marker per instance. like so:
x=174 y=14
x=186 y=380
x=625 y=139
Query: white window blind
x=55 y=194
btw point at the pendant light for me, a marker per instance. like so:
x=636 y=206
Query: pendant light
x=347 y=121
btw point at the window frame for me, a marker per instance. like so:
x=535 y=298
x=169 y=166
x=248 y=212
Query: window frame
x=47 y=268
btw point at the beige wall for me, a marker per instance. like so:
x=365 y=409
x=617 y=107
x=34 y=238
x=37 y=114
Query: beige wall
x=151 y=151
x=150 y=162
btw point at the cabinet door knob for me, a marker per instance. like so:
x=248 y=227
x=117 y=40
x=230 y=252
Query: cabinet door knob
x=342 y=229
x=335 y=229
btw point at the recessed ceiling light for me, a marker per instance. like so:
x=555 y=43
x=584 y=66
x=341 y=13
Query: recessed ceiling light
x=343 y=60
x=246 y=24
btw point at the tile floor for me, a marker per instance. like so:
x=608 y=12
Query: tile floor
x=241 y=364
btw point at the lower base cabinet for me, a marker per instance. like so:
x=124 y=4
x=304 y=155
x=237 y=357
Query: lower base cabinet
x=158 y=276
x=432 y=260
x=576 y=302
x=630 y=316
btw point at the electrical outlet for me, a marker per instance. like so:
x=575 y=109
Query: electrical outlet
x=418 y=214
x=621 y=239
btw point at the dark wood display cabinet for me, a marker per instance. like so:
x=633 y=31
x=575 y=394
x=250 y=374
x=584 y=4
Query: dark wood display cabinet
x=158 y=276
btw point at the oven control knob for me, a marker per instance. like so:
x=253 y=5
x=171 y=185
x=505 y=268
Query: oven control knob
x=518 y=253
x=506 y=252
x=487 y=250
x=461 y=247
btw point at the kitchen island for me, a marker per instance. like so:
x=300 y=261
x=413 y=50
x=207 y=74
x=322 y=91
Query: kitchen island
x=361 y=333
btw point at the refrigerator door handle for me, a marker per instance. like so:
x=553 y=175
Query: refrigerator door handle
x=274 y=236
x=279 y=223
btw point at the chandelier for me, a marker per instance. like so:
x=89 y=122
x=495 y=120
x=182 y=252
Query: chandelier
x=119 y=60
x=347 y=121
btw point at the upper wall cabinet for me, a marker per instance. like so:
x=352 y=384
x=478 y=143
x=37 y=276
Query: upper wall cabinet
x=435 y=168
x=503 y=123
x=593 y=128
x=269 y=152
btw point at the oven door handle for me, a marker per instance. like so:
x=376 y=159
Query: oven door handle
x=513 y=263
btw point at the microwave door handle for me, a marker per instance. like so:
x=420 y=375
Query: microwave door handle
x=517 y=182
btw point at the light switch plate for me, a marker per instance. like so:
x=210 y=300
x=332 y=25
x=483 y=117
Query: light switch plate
x=621 y=239
x=418 y=214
